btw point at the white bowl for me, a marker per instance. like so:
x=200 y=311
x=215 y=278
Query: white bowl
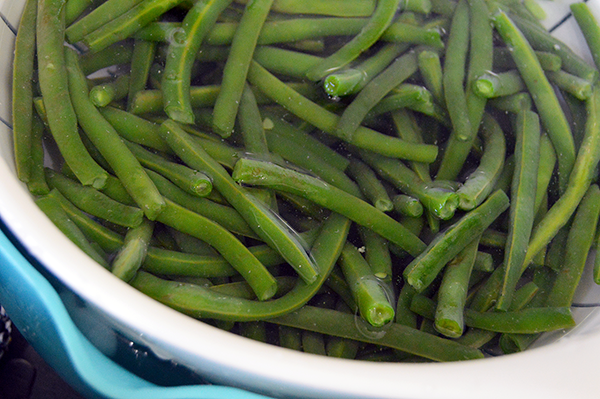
x=560 y=365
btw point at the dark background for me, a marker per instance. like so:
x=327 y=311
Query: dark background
x=25 y=375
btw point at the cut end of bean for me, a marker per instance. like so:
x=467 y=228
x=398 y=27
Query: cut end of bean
x=379 y=316
x=449 y=328
x=180 y=115
x=384 y=205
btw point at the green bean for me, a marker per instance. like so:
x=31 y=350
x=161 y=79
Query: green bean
x=134 y=128
x=525 y=321
x=480 y=183
x=491 y=85
x=259 y=278
x=352 y=79
x=254 y=138
x=377 y=254
x=513 y=103
x=94 y=202
x=370 y=185
x=341 y=347
x=132 y=254
x=338 y=284
x=545 y=170
x=110 y=144
x=22 y=91
x=439 y=201
x=370 y=296
x=341 y=8
x=535 y=9
x=300 y=138
x=271 y=230
x=192 y=245
x=224 y=215
x=493 y=238
x=556 y=251
x=107 y=239
x=409 y=130
x=172 y=263
x=378 y=23
x=405 y=95
x=199 y=302
x=579 y=182
x=125 y=24
x=443 y=7
x=576 y=109
x=37 y=180
x=544 y=279
x=589 y=27
x=548 y=61
x=454 y=92
x=579 y=243
x=101 y=15
x=150 y=101
x=400 y=70
x=74 y=9
x=407 y=205
x=396 y=336
x=480 y=61
x=452 y=294
x=327 y=121
x=524 y=295
x=305 y=158
x=578 y=87
x=54 y=84
x=522 y=212
x=314 y=343
x=431 y=70
x=191 y=181
x=50 y=205
x=484 y=262
x=285 y=62
x=181 y=55
x=423 y=269
x=404 y=315
x=541 y=40
x=237 y=65
x=141 y=62
x=551 y=114
x=295 y=29
x=596 y=266
x=251 y=124
x=116 y=54
x=290 y=338
x=265 y=174
x=399 y=32
x=103 y=94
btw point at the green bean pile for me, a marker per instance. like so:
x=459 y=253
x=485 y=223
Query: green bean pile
x=379 y=180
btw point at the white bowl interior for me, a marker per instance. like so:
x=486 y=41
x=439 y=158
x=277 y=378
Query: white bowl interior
x=563 y=368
